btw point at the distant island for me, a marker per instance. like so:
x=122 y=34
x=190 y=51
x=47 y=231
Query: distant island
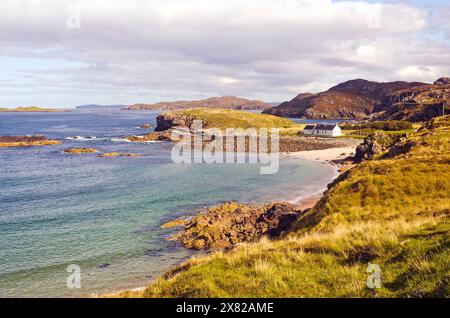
x=225 y=102
x=96 y=107
x=362 y=99
x=32 y=109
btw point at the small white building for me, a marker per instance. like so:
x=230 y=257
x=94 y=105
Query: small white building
x=323 y=130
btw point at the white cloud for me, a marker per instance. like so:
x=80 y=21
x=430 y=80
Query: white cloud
x=151 y=50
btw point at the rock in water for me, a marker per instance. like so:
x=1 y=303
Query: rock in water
x=26 y=141
x=78 y=151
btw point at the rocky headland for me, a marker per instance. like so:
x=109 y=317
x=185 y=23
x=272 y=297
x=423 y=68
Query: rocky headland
x=170 y=122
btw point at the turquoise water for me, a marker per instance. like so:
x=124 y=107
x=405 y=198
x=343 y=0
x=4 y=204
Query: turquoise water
x=103 y=214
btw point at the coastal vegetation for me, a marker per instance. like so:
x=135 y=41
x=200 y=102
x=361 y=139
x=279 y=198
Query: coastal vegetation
x=388 y=125
x=392 y=211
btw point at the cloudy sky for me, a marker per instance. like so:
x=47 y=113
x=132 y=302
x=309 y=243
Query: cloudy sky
x=63 y=53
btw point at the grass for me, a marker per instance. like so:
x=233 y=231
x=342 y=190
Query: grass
x=227 y=118
x=391 y=212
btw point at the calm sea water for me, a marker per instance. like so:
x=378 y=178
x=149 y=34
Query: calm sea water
x=104 y=214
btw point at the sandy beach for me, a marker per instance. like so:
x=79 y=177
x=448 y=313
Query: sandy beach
x=325 y=155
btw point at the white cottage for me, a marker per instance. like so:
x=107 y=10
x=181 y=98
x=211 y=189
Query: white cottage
x=323 y=130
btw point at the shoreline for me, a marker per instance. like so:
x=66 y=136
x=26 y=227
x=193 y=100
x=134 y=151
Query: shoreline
x=326 y=156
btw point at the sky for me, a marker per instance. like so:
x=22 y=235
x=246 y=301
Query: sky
x=64 y=53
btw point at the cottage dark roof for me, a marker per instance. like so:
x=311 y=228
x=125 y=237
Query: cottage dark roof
x=309 y=127
x=325 y=127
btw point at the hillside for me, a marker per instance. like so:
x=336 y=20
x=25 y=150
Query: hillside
x=227 y=102
x=354 y=99
x=392 y=211
x=31 y=109
x=416 y=104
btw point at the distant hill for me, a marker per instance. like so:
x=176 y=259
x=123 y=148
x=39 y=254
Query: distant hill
x=225 y=102
x=32 y=109
x=416 y=104
x=354 y=99
x=101 y=107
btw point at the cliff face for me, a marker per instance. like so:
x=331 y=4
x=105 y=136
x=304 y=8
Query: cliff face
x=416 y=104
x=226 y=102
x=354 y=99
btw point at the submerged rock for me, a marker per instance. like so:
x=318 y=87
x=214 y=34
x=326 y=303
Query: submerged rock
x=146 y=126
x=78 y=151
x=118 y=154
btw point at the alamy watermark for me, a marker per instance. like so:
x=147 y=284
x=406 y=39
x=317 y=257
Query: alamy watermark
x=234 y=145
x=374 y=278
x=73 y=20
x=74 y=279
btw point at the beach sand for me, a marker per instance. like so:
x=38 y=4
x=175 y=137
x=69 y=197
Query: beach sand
x=324 y=155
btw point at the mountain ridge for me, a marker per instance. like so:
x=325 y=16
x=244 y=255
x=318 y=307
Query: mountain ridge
x=353 y=99
x=225 y=102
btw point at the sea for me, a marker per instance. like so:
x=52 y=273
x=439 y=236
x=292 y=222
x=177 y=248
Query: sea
x=99 y=218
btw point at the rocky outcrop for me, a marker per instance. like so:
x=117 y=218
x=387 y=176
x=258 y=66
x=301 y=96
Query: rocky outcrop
x=146 y=126
x=167 y=121
x=79 y=151
x=226 y=102
x=26 y=141
x=401 y=147
x=226 y=225
x=379 y=143
x=370 y=147
x=354 y=99
x=153 y=136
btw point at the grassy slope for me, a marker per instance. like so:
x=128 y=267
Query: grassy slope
x=226 y=118
x=391 y=212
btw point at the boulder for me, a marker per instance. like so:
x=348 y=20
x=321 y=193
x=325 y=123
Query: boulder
x=370 y=147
